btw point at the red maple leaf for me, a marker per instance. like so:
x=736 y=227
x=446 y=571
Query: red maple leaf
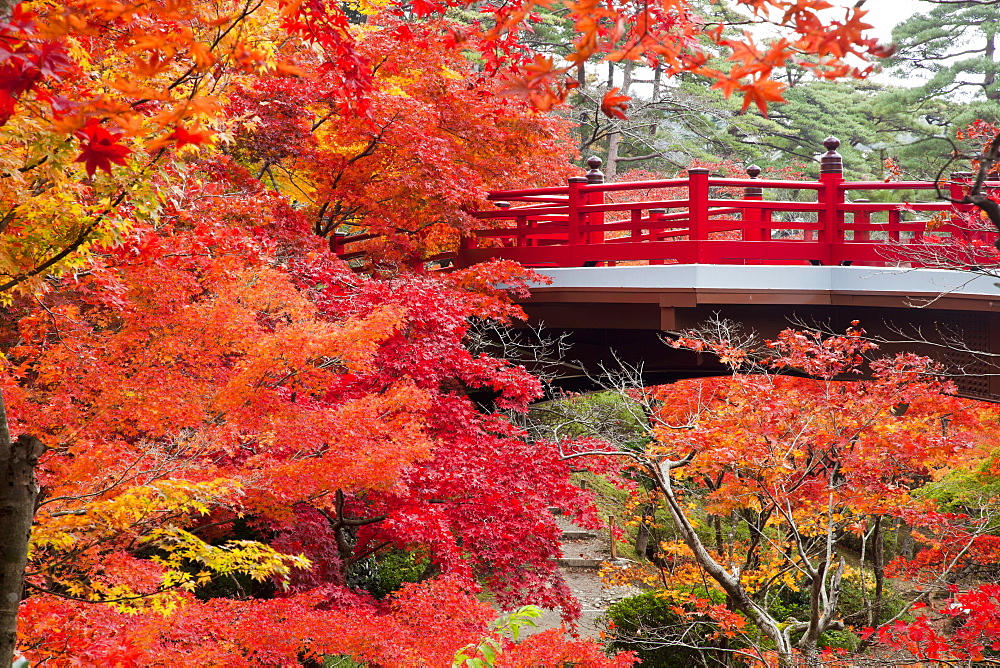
x=424 y=7
x=183 y=136
x=51 y=60
x=99 y=148
x=18 y=76
x=7 y=104
x=614 y=105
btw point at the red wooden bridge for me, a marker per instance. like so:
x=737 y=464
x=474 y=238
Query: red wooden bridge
x=630 y=260
x=703 y=219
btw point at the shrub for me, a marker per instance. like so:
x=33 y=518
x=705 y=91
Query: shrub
x=383 y=574
x=662 y=638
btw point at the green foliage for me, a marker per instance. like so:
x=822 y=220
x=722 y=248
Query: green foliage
x=341 y=661
x=791 y=604
x=673 y=124
x=484 y=653
x=966 y=487
x=606 y=415
x=948 y=57
x=840 y=640
x=648 y=625
x=852 y=608
x=852 y=605
x=817 y=109
x=952 y=47
x=386 y=572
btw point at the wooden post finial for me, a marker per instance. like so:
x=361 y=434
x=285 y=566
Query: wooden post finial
x=753 y=171
x=595 y=175
x=831 y=162
x=831 y=197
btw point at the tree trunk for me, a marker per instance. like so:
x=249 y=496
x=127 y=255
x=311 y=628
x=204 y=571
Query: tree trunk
x=18 y=492
x=729 y=582
x=990 y=77
x=611 y=164
x=641 y=540
x=878 y=566
x=904 y=540
x=657 y=87
x=615 y=136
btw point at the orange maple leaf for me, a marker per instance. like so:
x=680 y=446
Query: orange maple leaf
x=154 y=65
x=802 y=7
x=745 y=52
x=760 y=93
x=727 y=86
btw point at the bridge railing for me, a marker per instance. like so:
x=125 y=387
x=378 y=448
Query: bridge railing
x=711 y=220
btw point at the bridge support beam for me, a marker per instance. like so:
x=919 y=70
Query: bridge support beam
x=611 y=314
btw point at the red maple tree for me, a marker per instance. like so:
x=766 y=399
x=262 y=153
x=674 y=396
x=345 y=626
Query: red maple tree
x=203 y=373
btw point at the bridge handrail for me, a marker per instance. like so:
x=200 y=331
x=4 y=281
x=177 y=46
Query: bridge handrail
x=765 y=183
x=632 y=185
x=580 y=224
x=527 y=192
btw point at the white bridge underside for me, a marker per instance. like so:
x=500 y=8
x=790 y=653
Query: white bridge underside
x=771 y=281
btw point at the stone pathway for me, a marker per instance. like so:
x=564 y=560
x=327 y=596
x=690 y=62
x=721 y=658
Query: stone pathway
x=582 y=554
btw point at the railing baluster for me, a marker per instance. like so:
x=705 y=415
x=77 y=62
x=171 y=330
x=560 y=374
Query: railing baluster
x=862 y=218
x=655 y=227
x=894 y=221
x=573 y=209
x=698 y=210
x=636 y=219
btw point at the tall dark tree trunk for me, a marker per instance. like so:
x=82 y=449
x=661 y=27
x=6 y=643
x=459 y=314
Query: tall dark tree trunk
x=18 y=492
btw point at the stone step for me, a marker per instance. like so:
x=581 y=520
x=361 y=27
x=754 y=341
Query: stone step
x=579 y=562
x=577 y=534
